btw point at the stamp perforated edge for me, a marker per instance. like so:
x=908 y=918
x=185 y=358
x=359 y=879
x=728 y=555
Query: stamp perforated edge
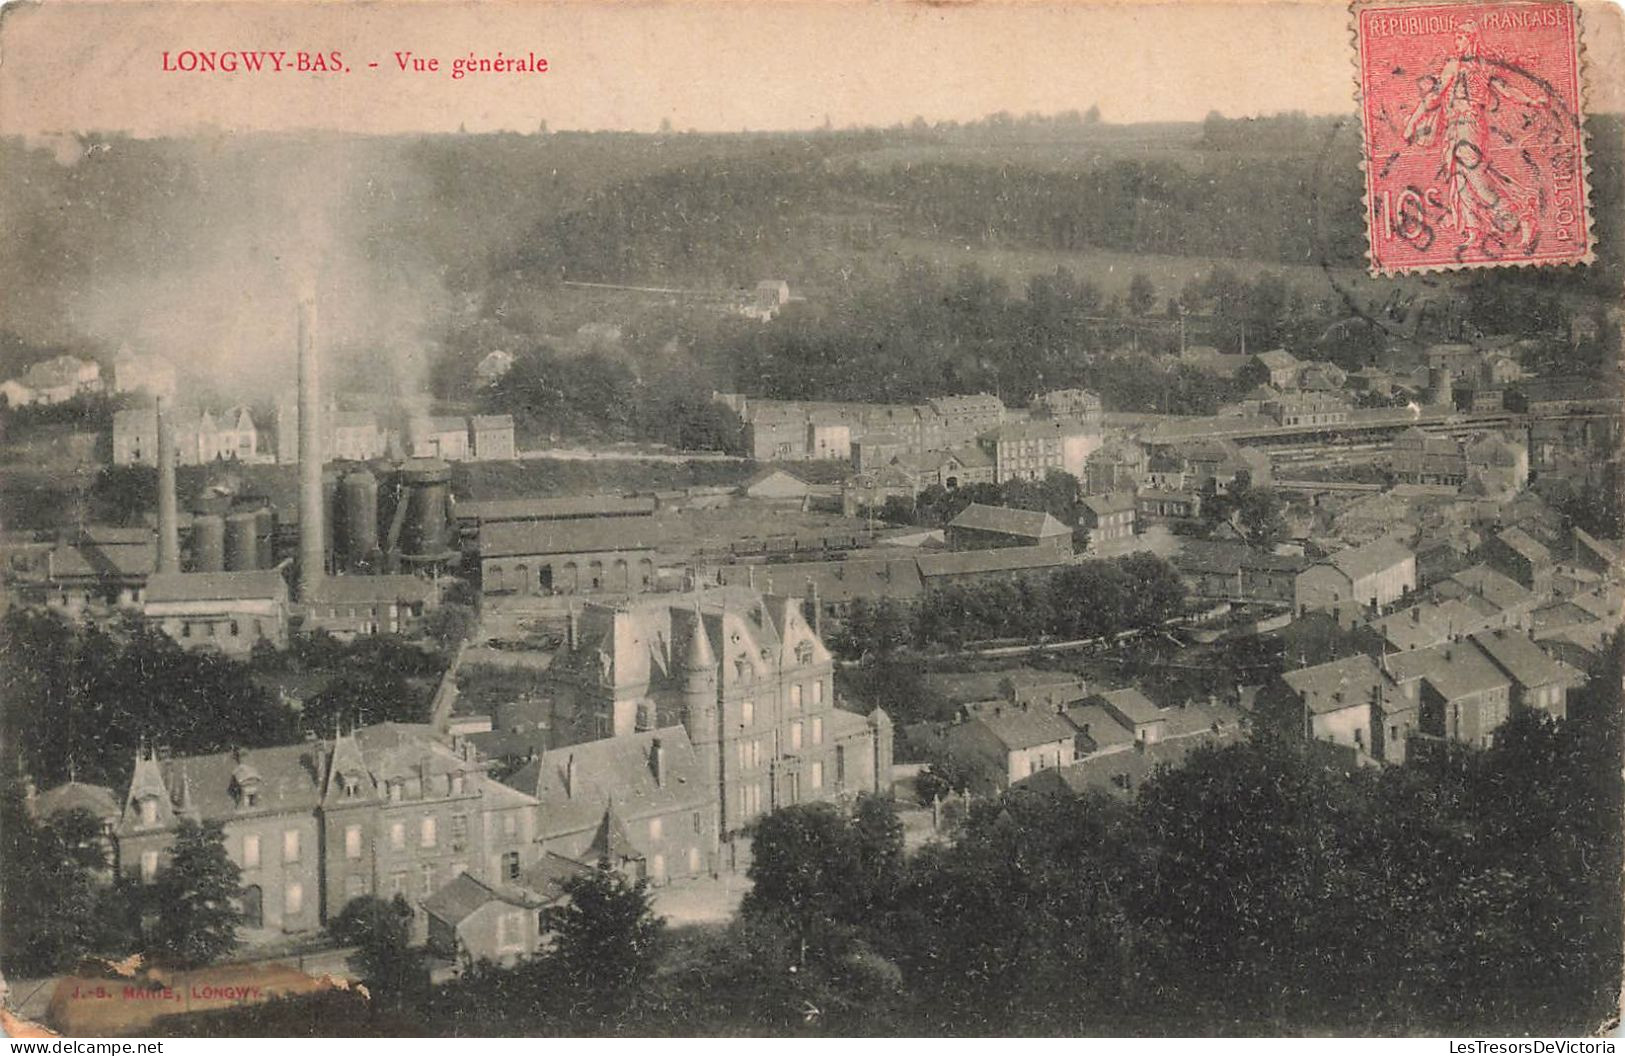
x=1582 y=89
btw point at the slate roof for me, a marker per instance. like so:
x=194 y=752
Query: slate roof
x=459 y=898
x=1358 y=562
x=1100 y=726
x=1017 y=728
x=1277 y=358
x=1523 y=544
x=1110 y=503
x=1030 y=524
x=1523 y=661
x=95 y=560
x=1329 y=687
x=584 y=536
x=215 y=586
x=1133 y=705
x=547 y=876
x=614 y=767
x=1499 y=590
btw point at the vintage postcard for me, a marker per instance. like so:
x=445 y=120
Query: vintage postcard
x=776 y=518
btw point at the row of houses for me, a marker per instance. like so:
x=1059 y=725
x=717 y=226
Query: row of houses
x=1108 y=741
x=1459 y=691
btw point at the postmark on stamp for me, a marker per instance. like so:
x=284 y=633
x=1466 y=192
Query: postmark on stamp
x=1474 y=148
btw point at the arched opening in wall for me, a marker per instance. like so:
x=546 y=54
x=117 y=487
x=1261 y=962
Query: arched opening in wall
x=253 y=907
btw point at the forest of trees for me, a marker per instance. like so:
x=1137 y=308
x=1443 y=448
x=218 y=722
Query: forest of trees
x=79 y=699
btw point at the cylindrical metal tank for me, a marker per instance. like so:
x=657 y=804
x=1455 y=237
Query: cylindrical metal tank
x=330 y=501
x=264 y=536
x=1438 y=386
x=242 y=550
x=208 y=542
x=426 y=533
x=360 y=492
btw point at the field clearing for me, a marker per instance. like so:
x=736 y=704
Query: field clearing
x=1112 y=270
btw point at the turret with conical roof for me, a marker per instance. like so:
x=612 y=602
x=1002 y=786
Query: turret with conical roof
x=702 y=716
x=147 y=805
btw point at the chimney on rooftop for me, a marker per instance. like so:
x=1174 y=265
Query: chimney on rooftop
x=657 y=761
x=169 y=545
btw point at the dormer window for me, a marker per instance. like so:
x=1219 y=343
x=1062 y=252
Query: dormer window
x=457 y=783
x=804 y=653
x=395 y=791
x=149 y=810
x=351 y=785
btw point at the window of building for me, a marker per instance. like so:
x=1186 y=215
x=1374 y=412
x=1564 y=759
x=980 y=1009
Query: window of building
x=815 y=775
x=395 y=791
x=149 y=866
x=656 y=829
x=457 y=783
x=818 y=692
x=293 y=898
x=795 y=695
x=427 y=832
x=397 y=835
x=699 y=822
x=510 y=865
x=352 y=842
x=459 y=832
x=426 y=874
x=355 y=885
x=818 y=729
x=186 y=629
x=840 y=764
x=747 y=711
x=149 y=811
x=795 y=736
x=251 y=851
x=397 y=884
x=234 y=629
x=694 y=860
x=290 y=845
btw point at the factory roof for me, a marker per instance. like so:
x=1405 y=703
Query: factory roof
x=215 y=586
x=555 y=509
x=583 y=536
x=1132 y=705
x=355 y=590
x=836 y=581
x=998 y=559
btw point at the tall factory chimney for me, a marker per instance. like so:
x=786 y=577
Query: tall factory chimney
x=169 y=540
x=312 y=549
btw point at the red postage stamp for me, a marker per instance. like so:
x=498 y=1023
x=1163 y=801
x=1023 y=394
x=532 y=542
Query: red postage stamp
x=1474 y=137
